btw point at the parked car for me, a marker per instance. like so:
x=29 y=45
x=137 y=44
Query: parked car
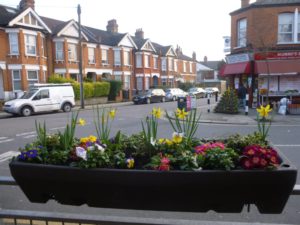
x=212 y=90
x=173 y=93
x=198 y=92
x=152 y=95
x=42 y=98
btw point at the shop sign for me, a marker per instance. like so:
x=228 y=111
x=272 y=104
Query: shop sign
x=238 y=58
x=277 y=55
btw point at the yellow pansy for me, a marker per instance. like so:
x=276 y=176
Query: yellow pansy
x=156 y=112
x=177 y=138
x=130 y=163
x=161 y=141
x=264 y=111
x=84 y=140
x=81 y=122
x=181 y=114
x=169 y=142
x=112 y=113
x=92 y=138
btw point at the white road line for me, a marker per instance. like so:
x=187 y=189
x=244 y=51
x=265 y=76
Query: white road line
x=26 y=133
x=7 y=140
x=8 y=155
x=57 y=128
x=287 y=145
x=30 y=136
x=1 y=138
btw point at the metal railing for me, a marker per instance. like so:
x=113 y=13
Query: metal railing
x=38 y=217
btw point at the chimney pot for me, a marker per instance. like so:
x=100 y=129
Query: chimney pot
x=24 y=4
x=244 y=3
x=112 y=26
x=139 y=33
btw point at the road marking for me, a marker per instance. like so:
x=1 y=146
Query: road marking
x=57 y=128
x=26 y=133
x=1 y=138
x=287 y=145
x=8 y=155
x=30 y=136
x=7 y=140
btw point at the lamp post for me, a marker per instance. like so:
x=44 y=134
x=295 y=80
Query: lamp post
x=80 y=58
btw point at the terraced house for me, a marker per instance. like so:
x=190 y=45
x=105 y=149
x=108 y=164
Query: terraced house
x=33 y=47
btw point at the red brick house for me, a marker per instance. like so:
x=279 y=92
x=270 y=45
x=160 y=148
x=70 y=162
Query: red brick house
x=34 y=47
x=265 y=49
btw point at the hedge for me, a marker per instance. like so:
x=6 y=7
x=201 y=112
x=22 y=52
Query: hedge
x=115 y=87
x=96 y=89
x=55 y=78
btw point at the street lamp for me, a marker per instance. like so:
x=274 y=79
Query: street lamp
x=80 y=58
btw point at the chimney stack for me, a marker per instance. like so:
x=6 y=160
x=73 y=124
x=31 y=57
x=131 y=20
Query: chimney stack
x=194 y=56
x=139 y=33
x=205 y=60
x=244 y=3
x=24 y=4
x=112 y=26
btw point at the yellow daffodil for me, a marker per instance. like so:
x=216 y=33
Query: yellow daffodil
x=264 y=111
x=181 y=114
x=112 y=113
x=169 y=142
x=92 y=138
x=161 y=141
x=156 y=112
x=81 y=122
x=177 y=138
x=84 y=140
x=130 y=163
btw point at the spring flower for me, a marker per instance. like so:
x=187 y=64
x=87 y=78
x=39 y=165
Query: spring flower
x=100 y=148
x=264 y=111
x=177 y=137
x=130 y=163
x=181 y=114
x=22 y=156
x=32 y=154
x=156 y=112
x=92 y=138
x=81 y=122
x=112 y=113
x=81 y=153
x=164 y=164
x=84 y=140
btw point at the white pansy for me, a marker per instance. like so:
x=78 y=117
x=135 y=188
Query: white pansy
x=177 y=134
x=81 y=152
x=100 y=148
x=152 y=141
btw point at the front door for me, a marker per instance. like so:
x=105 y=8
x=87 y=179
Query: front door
x=1 y=85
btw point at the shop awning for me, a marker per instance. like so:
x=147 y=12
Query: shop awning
x=236 y=68
x=277 y=67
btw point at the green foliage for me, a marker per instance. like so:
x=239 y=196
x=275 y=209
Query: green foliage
x=88 y=90
x=228 y=103
x=185 y=86
x=103 y=121
x=55 y=78
x=101 y=89
x=76 y=88
x=115 y=87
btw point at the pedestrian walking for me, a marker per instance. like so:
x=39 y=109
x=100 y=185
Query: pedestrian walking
x=242 y=91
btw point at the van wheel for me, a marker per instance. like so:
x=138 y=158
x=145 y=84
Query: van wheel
x=67 y=107
x=26 y=111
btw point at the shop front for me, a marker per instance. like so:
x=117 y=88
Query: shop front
x=278 y=76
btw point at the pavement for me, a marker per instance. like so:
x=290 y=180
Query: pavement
x=212 y=117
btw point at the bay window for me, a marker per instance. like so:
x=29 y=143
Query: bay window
x=146 y=61
x=285 y=27
x=14 y=43
x=91 y=55
x=155 y=62
x=104 y=55
x=72 y=52
x=59 y=51
x=164 y=64
x=126 y=58
x=242 y=33
x=117 y=57
x=30 y=44
x=138 y=60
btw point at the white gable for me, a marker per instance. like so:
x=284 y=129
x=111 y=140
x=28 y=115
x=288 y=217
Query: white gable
x=29 y=18
x=171 y=52
x=148 y=46
x=127 y=42
x=71 y=31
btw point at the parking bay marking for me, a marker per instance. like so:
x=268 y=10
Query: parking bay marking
x=8 y=155
x=6 y=140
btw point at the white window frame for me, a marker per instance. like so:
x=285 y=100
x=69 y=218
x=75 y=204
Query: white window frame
x=29 y=45
x=34 y=80
x=43 y=45
x=126 y=56
x=104 y=56
x=184 y=66
x=138 y=60
x=242 y=32
x=164 y=81
x=59 y=52
x=155 y=62
x=139 y=83
x=147 y=83
x=175 y=65
x=16 y=80
x=117 y=57
x=14 y=43
x=72 y=52
x=146 y=61
x=163 y=64
x=91 y=55
x=191 y=67
x=126 y=82
x=170 y=64
x=285 y=28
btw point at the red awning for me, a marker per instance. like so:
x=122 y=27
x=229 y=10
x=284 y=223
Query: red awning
x=277 y=67
x=236 y=68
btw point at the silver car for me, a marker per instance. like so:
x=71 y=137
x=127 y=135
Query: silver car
x=173 y=93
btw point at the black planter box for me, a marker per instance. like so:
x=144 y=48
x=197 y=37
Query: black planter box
x=187 y=191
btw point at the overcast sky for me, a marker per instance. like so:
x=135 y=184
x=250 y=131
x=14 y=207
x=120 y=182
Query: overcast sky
x=194 y=25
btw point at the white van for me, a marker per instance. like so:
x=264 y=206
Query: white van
x=43 y=98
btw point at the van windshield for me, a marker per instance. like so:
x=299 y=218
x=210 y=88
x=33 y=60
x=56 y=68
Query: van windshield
x=29 y=94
